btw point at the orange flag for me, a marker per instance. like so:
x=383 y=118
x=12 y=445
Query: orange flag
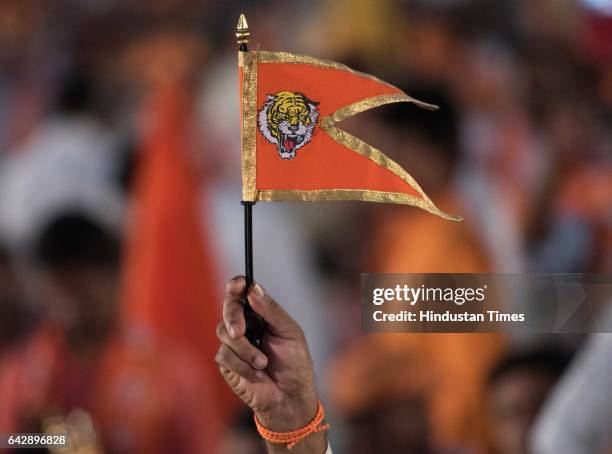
x=292 y=148
x=170 y=284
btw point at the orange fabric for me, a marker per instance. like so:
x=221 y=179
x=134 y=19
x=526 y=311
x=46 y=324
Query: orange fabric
x=169 y=275
x=456 y=364
x=323 y=163
x=331 y=88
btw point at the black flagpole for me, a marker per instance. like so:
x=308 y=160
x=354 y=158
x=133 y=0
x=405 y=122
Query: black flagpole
x=248 y=241
x=254 y=322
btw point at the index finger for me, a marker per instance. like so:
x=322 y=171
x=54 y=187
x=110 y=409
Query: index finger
x=278 y=321
x=236 y=287
x=233 y=317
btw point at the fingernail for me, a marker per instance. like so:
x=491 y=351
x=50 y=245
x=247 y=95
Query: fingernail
x=258 y=291
x=233 y=281
x=260 y=362
x=259 y=375
x=233 y=330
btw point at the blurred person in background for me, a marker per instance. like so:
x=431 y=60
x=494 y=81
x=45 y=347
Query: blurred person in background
x=517 y=388
x=388 y=411
x=16 y=323
x=408 y=241
x=577 y=417
x=74 y=261
x=241 y=436
x=138 y=397
x=569 y=231
x=503 y=160
x=71 y=158
x=31 y=61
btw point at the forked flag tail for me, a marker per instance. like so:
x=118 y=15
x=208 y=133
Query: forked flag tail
x=292 y=147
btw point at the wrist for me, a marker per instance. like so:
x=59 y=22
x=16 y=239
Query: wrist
x=290 y=414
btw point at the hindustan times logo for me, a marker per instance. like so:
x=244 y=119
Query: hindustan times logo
x=414 y=295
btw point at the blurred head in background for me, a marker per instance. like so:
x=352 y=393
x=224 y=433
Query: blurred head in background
x=422 y=141
x=387 y=411
x=241 y=436
x=397 y=424
x=517 y=388
x=78 y=262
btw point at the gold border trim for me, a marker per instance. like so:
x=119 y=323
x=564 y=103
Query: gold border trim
x=370 y=103
x=359 y=146
x=362 y=195
x=287 y=57
x=248 y=61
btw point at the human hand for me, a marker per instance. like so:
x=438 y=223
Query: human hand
x=277 y=382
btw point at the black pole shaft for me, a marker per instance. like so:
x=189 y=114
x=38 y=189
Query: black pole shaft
x=255 y=325
x=248 y=242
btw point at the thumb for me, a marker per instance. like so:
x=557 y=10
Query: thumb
x=278 y=321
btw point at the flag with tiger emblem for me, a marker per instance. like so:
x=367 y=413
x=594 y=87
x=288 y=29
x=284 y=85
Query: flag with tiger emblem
x=292 y=146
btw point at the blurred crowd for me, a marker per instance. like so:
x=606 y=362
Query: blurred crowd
x=120 y=220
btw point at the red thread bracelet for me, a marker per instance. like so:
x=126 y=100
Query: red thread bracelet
x=292 y=438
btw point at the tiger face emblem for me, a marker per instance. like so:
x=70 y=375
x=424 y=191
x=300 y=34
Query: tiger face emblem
x=287 y=120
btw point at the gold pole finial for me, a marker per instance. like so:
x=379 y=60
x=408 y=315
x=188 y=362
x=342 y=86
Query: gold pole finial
x=242 y=30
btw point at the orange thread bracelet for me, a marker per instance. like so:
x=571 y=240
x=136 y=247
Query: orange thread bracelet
x=292 y=438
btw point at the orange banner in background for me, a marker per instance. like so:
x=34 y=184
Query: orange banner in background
x=169 y=275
